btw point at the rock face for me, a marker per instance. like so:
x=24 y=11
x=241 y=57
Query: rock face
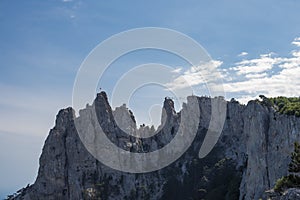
x=251 y=154
x=291 y=194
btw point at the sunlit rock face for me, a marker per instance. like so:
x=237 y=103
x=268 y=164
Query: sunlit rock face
x=251 y=154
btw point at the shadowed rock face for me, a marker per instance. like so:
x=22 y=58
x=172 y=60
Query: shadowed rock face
x=289 y=194
x=251 y=154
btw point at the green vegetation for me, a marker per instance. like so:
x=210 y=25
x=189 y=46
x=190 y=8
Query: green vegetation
x=210 y=178
x=284 y=105
x=224 y=181
x=286 y=182
x=293 y=179
x=294 y=166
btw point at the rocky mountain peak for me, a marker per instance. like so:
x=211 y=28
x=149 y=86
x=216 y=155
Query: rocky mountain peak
x=64 y=116
x=169 y=106
x=252 y=152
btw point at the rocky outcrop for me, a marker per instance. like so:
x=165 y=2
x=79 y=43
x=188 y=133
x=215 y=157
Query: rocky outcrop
x=251 y=154
x=289 y=194
x=269 y=140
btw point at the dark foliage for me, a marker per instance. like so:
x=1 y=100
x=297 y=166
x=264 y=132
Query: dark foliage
x=284 y=105
x=293 y=179
x=294 y=166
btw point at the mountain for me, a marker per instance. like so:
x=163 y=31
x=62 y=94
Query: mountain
x=252 y=152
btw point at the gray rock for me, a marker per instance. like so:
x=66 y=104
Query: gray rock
x=251 y=154
x=291 y=194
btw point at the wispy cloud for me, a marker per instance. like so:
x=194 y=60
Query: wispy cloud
x=243 y=54
x=296 y=42
x=258 y=65
x=196 y=75
x=177 y=70
x=269 y=74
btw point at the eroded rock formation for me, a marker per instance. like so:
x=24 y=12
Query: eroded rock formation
x=251 y=154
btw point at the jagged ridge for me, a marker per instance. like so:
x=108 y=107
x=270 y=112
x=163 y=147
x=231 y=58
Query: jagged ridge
x=252 y=153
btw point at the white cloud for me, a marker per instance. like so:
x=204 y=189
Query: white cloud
x=263 y=63
x=196 y=75
x=269 y=74
x=258 y=75
x=296 y=42
x=243 y=54
x=177 y=70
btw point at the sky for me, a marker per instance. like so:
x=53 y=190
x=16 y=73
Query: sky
x=255 y=45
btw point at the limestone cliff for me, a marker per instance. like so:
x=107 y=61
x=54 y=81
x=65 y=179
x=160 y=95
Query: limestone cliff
x=251 y=154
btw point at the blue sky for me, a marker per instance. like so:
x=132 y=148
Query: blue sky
x=43 y=44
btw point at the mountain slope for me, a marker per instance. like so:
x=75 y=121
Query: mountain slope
x=251 y=154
